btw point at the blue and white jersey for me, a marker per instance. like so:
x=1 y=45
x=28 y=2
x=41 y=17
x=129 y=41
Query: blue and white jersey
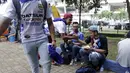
x=32 y=14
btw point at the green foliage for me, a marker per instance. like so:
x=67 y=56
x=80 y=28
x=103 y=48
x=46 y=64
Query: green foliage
x=118 y=15
x=85 y=4
x=106 y=14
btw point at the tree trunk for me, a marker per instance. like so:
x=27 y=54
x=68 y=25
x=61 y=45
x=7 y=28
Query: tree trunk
x=128 y=9
x=80 y=6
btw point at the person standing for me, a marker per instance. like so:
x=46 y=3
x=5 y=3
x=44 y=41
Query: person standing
x=34 y=40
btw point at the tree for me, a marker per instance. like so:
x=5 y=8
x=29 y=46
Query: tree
x=118 y=15
x=128 y=8
x=122 y=14
x=85 y=5
x=106 y=14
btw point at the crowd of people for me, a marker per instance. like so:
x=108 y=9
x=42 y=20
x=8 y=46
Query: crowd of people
x=91 y=51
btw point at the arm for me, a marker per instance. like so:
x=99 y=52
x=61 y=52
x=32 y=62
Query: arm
x=104 y=48
x=51 y=28
x=100 y=50
x=82 y=42
x=50 y=23
x=63 y=36
x=87 y=41
x=81 y=37
x=79 y=44
x=61 y=27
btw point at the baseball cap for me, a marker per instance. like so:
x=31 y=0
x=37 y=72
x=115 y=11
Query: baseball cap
x=93 y=28
x=68 y=15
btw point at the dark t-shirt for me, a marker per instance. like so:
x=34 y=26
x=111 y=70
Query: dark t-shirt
x=101 y=43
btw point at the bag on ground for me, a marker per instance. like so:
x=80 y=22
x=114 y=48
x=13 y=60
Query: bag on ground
x=85 y=70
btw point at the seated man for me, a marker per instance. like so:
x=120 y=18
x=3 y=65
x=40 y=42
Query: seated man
x=76 y=45
x=122 y=63
x=98 y=44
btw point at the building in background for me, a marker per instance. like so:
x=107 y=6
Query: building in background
x=113 y=5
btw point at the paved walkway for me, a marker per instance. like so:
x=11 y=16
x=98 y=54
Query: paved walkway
x=13 y=60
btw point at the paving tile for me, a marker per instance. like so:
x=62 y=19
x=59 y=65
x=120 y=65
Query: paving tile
x=13 y=60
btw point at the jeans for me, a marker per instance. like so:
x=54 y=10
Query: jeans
x=115 y=67
x=75 y=51
x=84 y=55
x=65 y=48
x=32 y=49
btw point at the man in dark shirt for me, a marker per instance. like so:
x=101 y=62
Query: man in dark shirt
x=96 y=42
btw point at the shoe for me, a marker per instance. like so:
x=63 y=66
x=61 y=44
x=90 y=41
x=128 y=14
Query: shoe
x=40 y=66
x=82 y=63
x=72 y=62
x=55 y=64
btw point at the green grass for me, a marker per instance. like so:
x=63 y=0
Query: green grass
x=58 y=41
x=114 y=32
x=112 y=47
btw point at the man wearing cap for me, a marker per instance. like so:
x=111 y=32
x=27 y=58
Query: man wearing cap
x=60 y=27
x=122 y=63
x=98 y=43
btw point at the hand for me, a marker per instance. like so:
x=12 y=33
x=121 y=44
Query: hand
x=69 y=41
x=75 y=36
x=54 y=43
x=77 y=44
x=87 y=47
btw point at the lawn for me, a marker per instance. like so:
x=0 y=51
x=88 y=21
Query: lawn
x=112 y=47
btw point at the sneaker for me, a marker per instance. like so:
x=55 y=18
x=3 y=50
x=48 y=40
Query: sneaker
x=72 y=62
x=40 y=66
x=55 y=64
x=82 y=63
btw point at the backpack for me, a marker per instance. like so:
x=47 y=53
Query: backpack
x=18 y=12
x=67 y=58
x=85 y=70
